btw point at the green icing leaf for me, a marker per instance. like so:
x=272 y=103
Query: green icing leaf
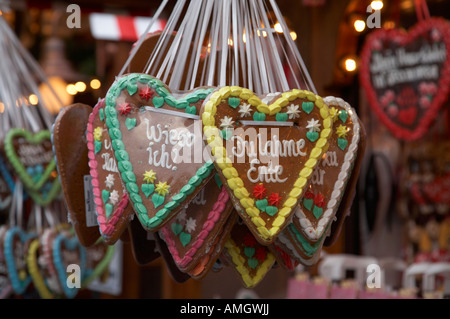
x=307 y=107
x=308 y=203
x=271 y=210
x=108 y=210
x=317 y=212
x=157 y=200
x=312 y=136
x=218 y=180
x=97 y=146
x=257 y=116
x=131 y=88
x=249 y=252
x=226 y=134
x=281 y=117
x=105 y=195
x=148 y=189
x=176 y=228
x=262 y=204
x=158 y=101
x=101 y=114
x=234 y=102
x=185 y=238
x=130 y=123
x=343 y=115
x=191 y=110
x=252 y=263
x=342 y=143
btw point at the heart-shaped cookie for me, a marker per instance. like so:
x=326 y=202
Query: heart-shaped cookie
x=31 y=156
x=269 y=156
x=15 y=256
x=71 y=153
x=191 y=233
x=113 y=209
x=251 y=260
x=318 y=206
x=406 y=75
x=67 y=250
x=158 y=146
x=282 y=256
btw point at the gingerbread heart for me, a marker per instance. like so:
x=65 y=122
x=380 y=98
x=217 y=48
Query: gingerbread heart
x=190 y=234
x=266 y=151
x=158 y=146
x=111 y=200
x=15 y=256
x=251 y=260
x=406 y=75
x=321 y=201
x=66 y=251
x=71 y=153
x=31 y=156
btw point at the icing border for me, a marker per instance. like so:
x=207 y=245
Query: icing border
x=129 y=83
x=208 y=226
x=33 y=269
x=234 y=182
x=339 y=186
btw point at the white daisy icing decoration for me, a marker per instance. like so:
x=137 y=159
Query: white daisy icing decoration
x=313 y=125
x=245 y=110
x=293 y=111
x=114 y=197
x=191 y=224
x=109 y=181
x=226 y=122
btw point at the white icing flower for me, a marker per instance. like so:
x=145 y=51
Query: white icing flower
x=226 y=122
x=293 y=111
x=245 y=110
x=313 y=125
x=114 y=197
x=191 y=224
x=109 y=181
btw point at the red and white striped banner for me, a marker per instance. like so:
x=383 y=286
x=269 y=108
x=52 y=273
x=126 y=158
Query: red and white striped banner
x=113 y=27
